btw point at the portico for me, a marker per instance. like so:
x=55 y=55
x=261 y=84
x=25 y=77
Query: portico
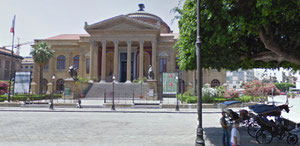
x=112 y=59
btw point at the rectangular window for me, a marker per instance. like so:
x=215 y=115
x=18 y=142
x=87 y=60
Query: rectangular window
x=46 y=67
x=88 y=65
x=13 y=66
x=162 y=65
x=26 y=67
x=7 y=63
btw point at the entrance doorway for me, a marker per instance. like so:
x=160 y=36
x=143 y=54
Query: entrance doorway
x=123 y=66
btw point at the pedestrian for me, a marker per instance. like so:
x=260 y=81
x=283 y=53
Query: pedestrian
x=225 y=128
x=79 y=103
x=235 y=139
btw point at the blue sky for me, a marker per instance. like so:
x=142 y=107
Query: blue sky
x=39 y=19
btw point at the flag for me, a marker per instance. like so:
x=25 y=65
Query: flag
x=12 y=29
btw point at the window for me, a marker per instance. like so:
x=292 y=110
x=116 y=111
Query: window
x=60 y=86
x=76 y=61
x=88 y=65
x=31 y=67
x=61 y=62
x=46 y=67
x=13 y=66
x=26 y=67
x=21 y=67
x=0 y=63
x=7 y=63
x=44 y=85
x=162 y=65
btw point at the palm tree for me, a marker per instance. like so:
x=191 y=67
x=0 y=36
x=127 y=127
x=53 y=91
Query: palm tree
x=41 y=54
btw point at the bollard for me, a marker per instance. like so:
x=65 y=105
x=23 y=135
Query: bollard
x=104 y=96
x=133 y=97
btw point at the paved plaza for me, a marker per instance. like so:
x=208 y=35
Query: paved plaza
x=100 y=126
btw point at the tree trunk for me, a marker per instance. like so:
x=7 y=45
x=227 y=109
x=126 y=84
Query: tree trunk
x=41 y=80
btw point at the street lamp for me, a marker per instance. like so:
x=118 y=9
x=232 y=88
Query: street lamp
x=199 y=140
x=177 y=79
x=51 y=102
x=113 y=93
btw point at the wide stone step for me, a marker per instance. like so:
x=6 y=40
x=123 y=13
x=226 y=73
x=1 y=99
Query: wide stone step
x=121 y=90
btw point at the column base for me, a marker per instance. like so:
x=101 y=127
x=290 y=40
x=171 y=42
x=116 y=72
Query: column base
x=128 y=81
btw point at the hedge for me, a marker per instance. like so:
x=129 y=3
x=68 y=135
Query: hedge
x=284 y=86
x=24 y=97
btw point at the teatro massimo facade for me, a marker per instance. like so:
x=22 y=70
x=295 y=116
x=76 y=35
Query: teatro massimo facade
x=114 y=47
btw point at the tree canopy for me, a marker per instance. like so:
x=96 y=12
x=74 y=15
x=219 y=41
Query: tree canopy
x=240 y=34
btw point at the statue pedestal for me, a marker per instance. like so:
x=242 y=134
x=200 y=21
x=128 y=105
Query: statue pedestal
x=69 y=85
x=33 y=88
x=152 y=87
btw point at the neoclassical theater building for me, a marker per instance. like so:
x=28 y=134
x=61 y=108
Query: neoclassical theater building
x=123 y=46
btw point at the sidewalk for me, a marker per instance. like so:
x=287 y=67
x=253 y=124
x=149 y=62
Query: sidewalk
x=108 y=109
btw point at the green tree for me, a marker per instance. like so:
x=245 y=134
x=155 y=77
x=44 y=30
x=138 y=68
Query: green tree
x=240 y=34
x=41 y=54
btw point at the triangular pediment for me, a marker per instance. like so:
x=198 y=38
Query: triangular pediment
x=120 y=23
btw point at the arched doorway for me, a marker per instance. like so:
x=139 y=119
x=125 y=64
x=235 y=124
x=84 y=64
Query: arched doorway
x=215 y=83
x=59 y=86
x=44 y=85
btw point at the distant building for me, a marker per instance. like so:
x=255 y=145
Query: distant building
x=5 y=63
x=236 y=79
x=27 y=64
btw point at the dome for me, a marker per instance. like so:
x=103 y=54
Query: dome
x=149 y=18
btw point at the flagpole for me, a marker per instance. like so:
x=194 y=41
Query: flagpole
x=11 y=60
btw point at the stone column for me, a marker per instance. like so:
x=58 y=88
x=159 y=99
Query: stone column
x=92 y=58
x=96 y=53
x=154 y=48
x=80 y=69
x=128 y=80
x=103 y=62
x=116 y=58
x=141 y=70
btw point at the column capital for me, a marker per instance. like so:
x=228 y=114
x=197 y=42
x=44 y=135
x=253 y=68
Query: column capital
x=141 y=42
x=103 y=42
x=128 y=42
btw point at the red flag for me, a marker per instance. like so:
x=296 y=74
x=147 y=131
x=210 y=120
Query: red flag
x=12 y=29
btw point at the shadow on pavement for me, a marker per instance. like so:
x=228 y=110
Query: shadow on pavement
x=213 y=136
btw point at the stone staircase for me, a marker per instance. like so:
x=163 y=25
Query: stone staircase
x=122 y=90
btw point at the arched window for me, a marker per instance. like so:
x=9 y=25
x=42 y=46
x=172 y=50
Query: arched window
x=76 y=61
x=44 y=85
x=215 y=83
x=60 y=86
x=61 y=62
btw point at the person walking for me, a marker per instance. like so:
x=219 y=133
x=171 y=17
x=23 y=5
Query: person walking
x=225 y=128
x=235 y=139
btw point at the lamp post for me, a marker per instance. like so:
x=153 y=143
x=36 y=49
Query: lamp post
x=199 y=140
x=177 y=79
x=51 y=101
x=113 y=93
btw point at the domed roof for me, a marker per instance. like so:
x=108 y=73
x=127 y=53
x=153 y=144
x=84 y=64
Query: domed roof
x=148 y=17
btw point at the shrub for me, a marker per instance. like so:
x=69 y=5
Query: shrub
x=229 y=94
x=284 y=86
x=246 y=98
x=3 y=87
x=256 y=88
